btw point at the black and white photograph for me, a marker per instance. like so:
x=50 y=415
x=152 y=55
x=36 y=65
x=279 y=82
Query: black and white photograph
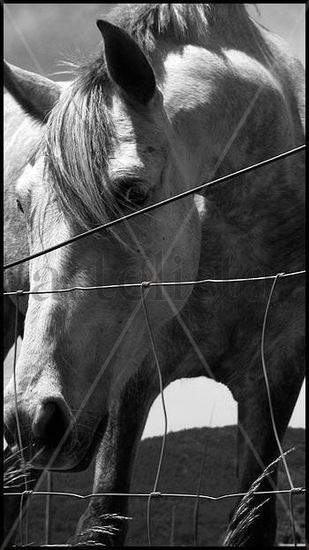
x=154 y=275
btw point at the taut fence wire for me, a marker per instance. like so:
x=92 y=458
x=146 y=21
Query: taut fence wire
x=144 y=286
x=153 y=283
x=295 y=491
x=159 y=204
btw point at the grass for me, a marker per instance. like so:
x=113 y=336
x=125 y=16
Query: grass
x=180 y=474
x=15 y=472
x=247 y=512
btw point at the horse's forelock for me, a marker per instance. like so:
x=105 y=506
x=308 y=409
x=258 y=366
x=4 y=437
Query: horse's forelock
x=78 y=142
x=80 y=132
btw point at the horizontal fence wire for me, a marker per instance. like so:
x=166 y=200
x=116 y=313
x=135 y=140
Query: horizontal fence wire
x=68 y=545
x=153 y=283
x=144 y=287
x=155 y=494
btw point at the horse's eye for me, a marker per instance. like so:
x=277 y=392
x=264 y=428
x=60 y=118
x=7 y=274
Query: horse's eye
x=131 y=193
x=19 y=206
x=136 y=195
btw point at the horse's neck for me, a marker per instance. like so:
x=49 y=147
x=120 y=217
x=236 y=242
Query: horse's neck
x=229 y=113
x=220 y=102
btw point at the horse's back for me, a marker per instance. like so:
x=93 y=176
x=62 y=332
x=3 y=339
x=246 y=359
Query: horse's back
x=290 y=69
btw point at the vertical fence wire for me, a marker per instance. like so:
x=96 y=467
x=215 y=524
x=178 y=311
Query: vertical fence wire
x=143 y=286
x=271 y=410
x=48 y=525
x=151 y=337
x=150 y=333
x=272 y=416
x=21 y=453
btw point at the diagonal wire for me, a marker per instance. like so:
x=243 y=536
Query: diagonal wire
x=157 y=205
x=150 y=329
x=174 y=311
x=149 y=504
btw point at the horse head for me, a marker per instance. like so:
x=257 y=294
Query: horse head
x=107 y=148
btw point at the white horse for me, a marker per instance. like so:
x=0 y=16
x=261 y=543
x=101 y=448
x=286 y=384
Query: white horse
x=181 y=93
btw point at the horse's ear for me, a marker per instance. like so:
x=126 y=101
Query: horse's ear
x=127 y=65
x=35 y=94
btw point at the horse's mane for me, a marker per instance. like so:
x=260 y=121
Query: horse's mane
x=80 y=132
x=176 y=23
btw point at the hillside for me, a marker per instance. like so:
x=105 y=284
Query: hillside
x=180 y=473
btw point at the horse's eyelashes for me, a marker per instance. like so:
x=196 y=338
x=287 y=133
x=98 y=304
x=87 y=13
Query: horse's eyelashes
x=136 y=194
x=19 y=206
x=132 y=193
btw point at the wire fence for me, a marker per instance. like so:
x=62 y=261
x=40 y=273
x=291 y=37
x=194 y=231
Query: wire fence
x=164 y=202
x=144 y=287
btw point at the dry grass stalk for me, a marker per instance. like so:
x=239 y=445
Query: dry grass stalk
x=246 y=514
x=108 y=531
x=15 y=470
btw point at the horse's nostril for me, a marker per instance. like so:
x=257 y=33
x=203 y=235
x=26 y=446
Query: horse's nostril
x=50 y=423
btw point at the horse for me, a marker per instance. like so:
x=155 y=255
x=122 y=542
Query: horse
x=179 y=94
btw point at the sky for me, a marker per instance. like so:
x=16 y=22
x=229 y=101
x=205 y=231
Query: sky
x=190 y=403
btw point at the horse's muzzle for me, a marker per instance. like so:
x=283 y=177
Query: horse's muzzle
x=47 y=436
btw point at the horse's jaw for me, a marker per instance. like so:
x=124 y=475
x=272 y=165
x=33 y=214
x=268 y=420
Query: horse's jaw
x=78 y=459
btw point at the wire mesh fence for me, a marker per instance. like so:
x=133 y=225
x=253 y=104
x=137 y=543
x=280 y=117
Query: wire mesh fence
x=144 y=287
